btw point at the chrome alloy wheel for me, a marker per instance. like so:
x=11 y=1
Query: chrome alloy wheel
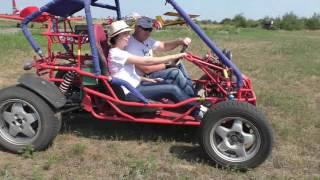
x=19 y=122
x=235 y=139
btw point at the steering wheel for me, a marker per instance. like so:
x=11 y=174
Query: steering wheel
x=178 y=61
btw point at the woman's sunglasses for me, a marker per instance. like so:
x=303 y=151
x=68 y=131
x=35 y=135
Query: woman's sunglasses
x=146 y=29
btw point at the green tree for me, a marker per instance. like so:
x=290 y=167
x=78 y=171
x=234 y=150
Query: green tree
x=252 y=23
x=290 y=21
x=226 y=21
x=313 y=23
x=206 y=21
x=240 y=21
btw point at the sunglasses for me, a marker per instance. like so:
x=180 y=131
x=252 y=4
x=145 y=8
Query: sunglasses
x=146 y=29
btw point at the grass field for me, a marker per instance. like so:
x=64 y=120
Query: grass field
x=285 y=70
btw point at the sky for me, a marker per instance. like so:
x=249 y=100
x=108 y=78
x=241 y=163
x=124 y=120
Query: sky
x=208 y=9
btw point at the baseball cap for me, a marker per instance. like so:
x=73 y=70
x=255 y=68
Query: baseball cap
x=145 y=22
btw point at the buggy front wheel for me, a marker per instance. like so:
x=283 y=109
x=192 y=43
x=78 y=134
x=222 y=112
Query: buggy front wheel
x=26 y=120
x=235 y=134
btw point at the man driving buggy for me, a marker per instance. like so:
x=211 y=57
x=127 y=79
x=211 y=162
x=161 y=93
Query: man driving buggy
x=140 y=44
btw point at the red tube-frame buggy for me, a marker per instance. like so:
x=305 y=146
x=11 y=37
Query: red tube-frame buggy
x=232 y=133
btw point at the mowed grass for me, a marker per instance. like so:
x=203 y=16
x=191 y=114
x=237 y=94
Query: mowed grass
x=284 y=68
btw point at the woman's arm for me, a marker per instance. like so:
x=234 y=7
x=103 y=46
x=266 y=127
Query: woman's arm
x=151 y=68
x=147 y=60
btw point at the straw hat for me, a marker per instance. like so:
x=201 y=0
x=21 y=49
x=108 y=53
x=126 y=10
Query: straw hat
x=118 y=27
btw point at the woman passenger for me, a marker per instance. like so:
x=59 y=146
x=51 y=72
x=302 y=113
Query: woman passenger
x=122 y=66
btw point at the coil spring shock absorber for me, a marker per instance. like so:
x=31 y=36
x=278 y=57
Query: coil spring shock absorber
x=67 y=81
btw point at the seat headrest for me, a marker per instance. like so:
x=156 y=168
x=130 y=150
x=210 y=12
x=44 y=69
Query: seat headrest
x=102 y=47
x=99 y=33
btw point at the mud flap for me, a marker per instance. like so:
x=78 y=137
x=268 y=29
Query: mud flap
x=43 y=88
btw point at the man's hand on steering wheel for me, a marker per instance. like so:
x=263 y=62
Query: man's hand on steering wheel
x=186 y=41
x=185 y=44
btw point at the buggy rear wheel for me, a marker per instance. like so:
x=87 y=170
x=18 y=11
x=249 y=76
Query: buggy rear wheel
x=25 y=120
x=235 y=134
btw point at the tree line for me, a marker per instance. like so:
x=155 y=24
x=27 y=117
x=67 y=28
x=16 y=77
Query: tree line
x=289 y=21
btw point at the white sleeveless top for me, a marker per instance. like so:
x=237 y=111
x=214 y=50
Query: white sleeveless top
x=120 y=69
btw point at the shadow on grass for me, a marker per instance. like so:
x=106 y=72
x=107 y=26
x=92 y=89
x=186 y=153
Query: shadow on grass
x=190 y=153
x=83 y=124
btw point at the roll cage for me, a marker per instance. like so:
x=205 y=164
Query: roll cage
x=65 y=8
x=232 y=133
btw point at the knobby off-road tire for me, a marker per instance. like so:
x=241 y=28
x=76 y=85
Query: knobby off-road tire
x=26 y=120
x=236 y=135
